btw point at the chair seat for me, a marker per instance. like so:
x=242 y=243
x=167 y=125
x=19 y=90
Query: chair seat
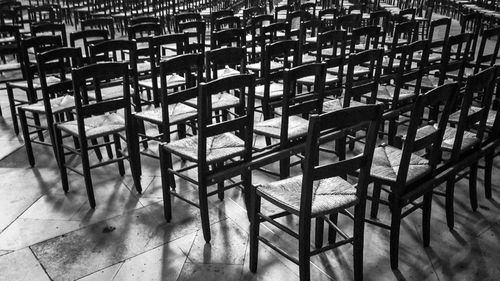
x=219 y=148
x=219 y=101
x=297 y=127
x=109 y=93
x=306 y=58
x=329 y=194
x=51 y=80
x=275 y=90
x=59 y=104
x=256 y=66
x=455 y=116
x=358 y=70
x=10 y=66
x=178 y=113
x=143 y=67
x=386 y=60
x=309 y=80
x=386 y=162
x=96 y=126
x=258 y=49
x=312 y=39
x=226 y=72
x=469 y=139
x=432 y=58
x=385 y=93
x=173 y=80
x=8 y=39
x=338 y=104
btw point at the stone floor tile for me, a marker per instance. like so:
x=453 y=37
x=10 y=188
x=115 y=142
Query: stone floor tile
x=211 y=272
x=4 y=252
x=161 y=263
x=98 y=246
x=25 y=232
x=227 y=246
x=18 y=195
x=105 y=274
x=21 y=265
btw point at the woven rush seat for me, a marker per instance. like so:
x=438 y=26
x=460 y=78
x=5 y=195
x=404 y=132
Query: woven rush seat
x=386 y=161
x=469 y=139
x=297 y=127
x=389 y=41
x=273 y=66
x=258 y=49
x=385 y=62
x=328 y=52
x=59 y=104
x=143 y=67
x=109 y=93
x=219 y=101
x=227 y=71
x=173 y=80
x=219 y=148
x=338 y=104
x=386 y=93
x=312 y=39
x=96 y=126
x=178 y=112
x=10 y=66
x=455 y=116
x=358 y=70
x=275 y=90
x=329 y=79
x=328 y=194
x=433 y=57
x=51 y=80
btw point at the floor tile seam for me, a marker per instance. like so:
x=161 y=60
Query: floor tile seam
x=40 y=263
x=19 y=216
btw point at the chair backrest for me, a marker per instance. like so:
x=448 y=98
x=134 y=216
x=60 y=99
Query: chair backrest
x=404 y=33
x=285 y=50
x=479 y=92
x=471 y=23
x=334 y=125
x=309 y=7
x=365 y=38
x=235 y=37
x=99 y=74
x=229 y=22
x=295 y=20
x=442 y=95
x=105 y=23
x=44 y=13
x=88 y=37
x=143 y=19
x=12 y=41
x=141 y=32
x=348 y=22
x=183 y=18
x=195 y=30
x=455 y=56
x=222 y=58
x=328 y=16
x=441 y=28
x=363 y=83
x=271 y=33
x=57 y=61
x=243 y=86
x=249 y=13
x=50 y=29
x=281 y=12
x=483 y=58
x=214 y=16
x=407 y=15
x=331 y=48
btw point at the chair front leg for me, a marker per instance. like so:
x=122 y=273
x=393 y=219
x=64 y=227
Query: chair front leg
x=26 y=136
x=395 y=228
x=473 y=186
x=426 y=219
x=61 y=158
x=165 y=165
x=12 y=105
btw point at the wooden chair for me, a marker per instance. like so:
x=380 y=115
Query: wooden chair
x=225 y=62
x=485 y=59
x=414 y=177
x=228 y=22
x=141 y=33
x=105 y=23
x=11 y=40
x=254 y=40
x=465 y=134
x=296 y=106
x=31 y=84
x=48 y=28
x=281 y=13
x=195 y=31
x=231 y=139
x=99 y=119
x=441 y=28
x=183 y=18
x=214 y=16
x=322 y=192
x=57 y=101
x=177 y=73
x=85 y=38
x=364 y=38
x=162 y=47
x=234 y=37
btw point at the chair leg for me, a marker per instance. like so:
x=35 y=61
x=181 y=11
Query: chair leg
x=358 y=243
x=86 y=172
x=202 y=193
x=393 y=128
x=254 y=230
x=58 y=140
x=304 y=249
x=332 y=234
x=450 y=190
x=426 y=219
x=109 y=149
x=377 y=187
x=134 y=156
x=36 y=119
x=318 y=239
x=395 y=228
x=12 y=104
x=26 y=136
x=220 y=185
x=165 y=164
x=285 y=168
x=118 y=148
x=97 y=150
x=488 y=174
x=473 y=186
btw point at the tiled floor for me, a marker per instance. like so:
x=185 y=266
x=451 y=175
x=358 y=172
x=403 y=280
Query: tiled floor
x=48 y=235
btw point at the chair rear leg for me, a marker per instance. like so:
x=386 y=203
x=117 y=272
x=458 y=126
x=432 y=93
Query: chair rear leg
x=118 y=151
x=254 y=231
x=86 y=173
x=26 y=136
x=473 y=186
x=488 y=174
x=318 y=233
x=450 y=190
x=12 y=105
x=426 y=219
x=394 y=236
x=61 y=158
x=377 y=187
x=165 y=183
